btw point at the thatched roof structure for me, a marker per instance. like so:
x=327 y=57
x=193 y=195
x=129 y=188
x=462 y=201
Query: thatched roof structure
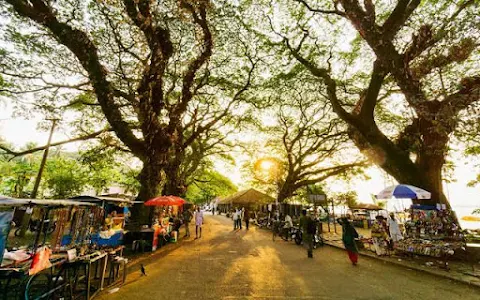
x=247 y=197
x=366 y=206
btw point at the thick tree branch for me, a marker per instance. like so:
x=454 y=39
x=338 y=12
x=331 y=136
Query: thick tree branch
x=150 y=89
x=322 y=11
x=329 y=172
x=456 y=54
x=460 y=100
x=36 y=149
x=200 y=19
x=329 y=82
x=371 y=95
x=402 y=11
x=86 y=52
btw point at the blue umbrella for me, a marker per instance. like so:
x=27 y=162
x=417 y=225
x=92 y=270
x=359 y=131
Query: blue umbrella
x=403 y=191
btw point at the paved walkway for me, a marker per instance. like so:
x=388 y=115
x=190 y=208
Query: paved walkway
x=227 y=264
x=458 y=270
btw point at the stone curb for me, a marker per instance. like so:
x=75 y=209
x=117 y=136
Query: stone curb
x=134 y=263
x=146 y=258
x=417 y=268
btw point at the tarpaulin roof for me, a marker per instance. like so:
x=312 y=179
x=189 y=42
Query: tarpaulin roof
x=5 y=201
x=366 y=206
x=101 y=199
x=250 y=196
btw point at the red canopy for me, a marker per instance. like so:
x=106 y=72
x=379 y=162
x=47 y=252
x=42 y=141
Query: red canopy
x=165 y=201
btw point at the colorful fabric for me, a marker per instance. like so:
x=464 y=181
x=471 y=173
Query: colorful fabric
x=348 y=237
x=353 y=256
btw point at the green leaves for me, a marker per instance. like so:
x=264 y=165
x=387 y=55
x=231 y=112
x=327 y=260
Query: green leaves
x=208 y=185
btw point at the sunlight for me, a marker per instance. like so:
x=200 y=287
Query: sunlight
x=266 y=165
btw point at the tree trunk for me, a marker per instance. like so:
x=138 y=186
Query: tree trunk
x=285 y=190
x=425 y=172
x=175 y=185
x=431 y=159
x=150 y=179
x=281 y=197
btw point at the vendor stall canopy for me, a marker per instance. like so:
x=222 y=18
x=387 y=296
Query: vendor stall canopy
x=403 y=191
x=246 y=197
x=5 y=201
x=101 y=200
x=366 y=207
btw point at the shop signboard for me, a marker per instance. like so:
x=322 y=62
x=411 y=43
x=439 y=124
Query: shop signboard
x=319 y=200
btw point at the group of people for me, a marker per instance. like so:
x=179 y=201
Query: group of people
x=188 y=215
x=385 y=233
x=240 y=215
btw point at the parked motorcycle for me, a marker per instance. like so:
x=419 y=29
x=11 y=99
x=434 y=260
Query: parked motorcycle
x=288 y=233
x=263 y=222
x=317 y=238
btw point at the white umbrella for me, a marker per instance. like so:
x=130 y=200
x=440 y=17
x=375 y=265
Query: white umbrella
x=404 y=191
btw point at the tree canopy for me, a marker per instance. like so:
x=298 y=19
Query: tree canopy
x=171 y=81
x=401 y=75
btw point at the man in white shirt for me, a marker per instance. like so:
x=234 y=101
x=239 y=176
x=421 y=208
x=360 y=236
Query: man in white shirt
x=198 y=223
x=235 y=219
x=241 y=213
x=287 y=226
x=288 y=221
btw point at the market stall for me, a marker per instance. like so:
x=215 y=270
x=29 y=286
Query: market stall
x=115 y=216
x=431 y=231
x=33 y=270
x=58 y=262
x=164 y=227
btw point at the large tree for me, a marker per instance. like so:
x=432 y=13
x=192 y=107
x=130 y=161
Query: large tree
x=307 y=140
x=143 y=64
x=401 y=74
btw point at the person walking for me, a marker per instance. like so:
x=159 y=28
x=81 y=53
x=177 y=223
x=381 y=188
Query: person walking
x=235 y=219
x=287 y=227
x=308 y=228
x=246 y=216
x=187 y=217
x=394 y=229
x=198 y=223
x=349 y=234
x=241 y=217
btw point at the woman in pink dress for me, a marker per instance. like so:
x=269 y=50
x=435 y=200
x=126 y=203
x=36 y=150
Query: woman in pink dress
x=198 y=222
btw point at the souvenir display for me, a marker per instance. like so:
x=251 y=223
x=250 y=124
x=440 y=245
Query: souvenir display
x=67 y=244
x=430 y=232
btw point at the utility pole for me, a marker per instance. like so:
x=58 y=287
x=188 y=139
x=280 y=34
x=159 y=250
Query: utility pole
x=44 y=160
x=28 y=212
x=333 y=214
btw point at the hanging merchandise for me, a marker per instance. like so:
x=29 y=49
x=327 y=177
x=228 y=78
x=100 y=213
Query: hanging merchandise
x=41 y=260
x=5 y=221
x=76 y=226
x=62 y=218
x=84 y=227
x=431 y=232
